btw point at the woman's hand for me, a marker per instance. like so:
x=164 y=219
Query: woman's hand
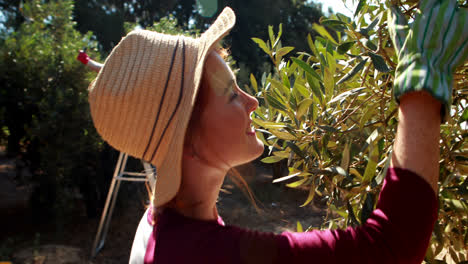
x=429 y=49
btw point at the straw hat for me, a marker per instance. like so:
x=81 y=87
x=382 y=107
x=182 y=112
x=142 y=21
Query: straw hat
x=142 y=99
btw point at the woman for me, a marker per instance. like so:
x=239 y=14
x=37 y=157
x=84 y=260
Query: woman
x=173 y=101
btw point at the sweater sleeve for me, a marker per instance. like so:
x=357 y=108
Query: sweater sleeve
x=398 y=231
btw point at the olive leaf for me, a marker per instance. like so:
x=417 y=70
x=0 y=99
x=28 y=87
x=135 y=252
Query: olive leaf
x=353 y=72
x=379 y=62
x=262 y=45
x=345 y=46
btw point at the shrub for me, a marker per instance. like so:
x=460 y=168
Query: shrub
x=45 y=105
x=330 y=113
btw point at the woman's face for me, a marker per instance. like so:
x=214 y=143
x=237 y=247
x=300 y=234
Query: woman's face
x=224 y=135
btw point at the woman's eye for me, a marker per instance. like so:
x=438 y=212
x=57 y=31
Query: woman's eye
x=233 y=96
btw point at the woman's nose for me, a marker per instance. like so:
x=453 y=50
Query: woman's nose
x=252 y=103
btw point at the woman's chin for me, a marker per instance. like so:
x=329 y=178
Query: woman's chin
x=257 y=150
x=253 y=153
x=260 y=148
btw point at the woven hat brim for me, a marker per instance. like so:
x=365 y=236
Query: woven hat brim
x=170 y=170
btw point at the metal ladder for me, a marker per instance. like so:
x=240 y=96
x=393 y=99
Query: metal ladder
x=149 y=175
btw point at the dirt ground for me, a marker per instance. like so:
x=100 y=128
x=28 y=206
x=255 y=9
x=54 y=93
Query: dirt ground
x=23 y=242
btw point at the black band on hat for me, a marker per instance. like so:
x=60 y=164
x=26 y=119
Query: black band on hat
x=178 y=100
x=162 y=100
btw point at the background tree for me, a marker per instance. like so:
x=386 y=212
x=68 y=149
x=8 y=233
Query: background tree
x=11 y=11
x=107 y=18
x=253 y=17
x=44 y=106
x=44 y=112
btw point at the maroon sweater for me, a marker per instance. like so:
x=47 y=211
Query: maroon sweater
x=398 y=231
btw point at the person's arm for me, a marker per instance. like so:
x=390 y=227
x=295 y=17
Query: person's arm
x=416 y=146
x=429 y=49
x=397 y=232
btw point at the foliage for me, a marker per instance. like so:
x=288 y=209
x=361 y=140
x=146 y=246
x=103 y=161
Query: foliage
x=45 y=106
x=111 y=16
x=11 y=12
x=330 y=113
x=106 y=18
x=166 y=25
x=252 y=18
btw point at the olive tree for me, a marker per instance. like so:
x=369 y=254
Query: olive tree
x=329 y=112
